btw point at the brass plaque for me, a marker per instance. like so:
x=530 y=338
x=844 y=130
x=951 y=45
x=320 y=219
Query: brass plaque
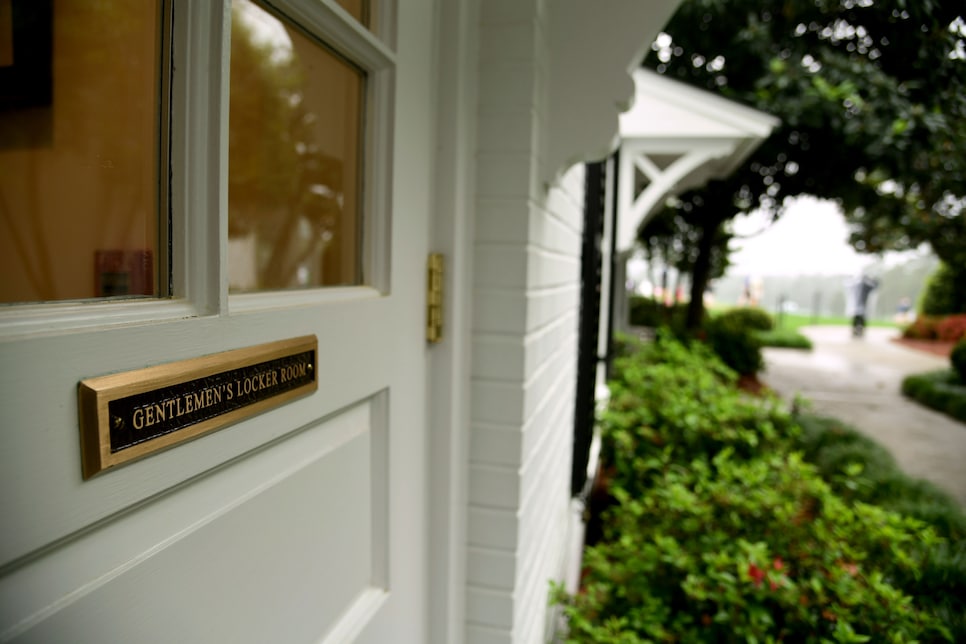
x=125 y=416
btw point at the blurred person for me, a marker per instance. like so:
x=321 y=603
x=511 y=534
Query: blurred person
x=857 y=293
x=904 y=311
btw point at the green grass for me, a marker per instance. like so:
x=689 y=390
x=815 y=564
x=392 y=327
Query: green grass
x=940 y=390
x=794 y=321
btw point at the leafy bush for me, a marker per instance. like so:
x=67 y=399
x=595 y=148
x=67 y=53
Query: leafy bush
x=784 y=339
x=648 y=312
x=680 y=397
x=750 y=317
x=735 y=344
x=858 y=469
x=760 y=550
x=720 y=532
x=819 y=432
x=958 y=359
x=854 y=458
x=951 y=328
x=945 y=292
x=922 y=328
x=942 y=390
x=836 y=449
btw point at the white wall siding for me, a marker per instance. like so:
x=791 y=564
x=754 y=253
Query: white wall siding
x=526 y=299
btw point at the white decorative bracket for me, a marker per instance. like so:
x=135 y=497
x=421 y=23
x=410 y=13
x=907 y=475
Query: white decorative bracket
x=705 y=135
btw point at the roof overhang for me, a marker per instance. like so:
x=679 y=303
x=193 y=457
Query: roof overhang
x=674 y=138
x=594 y=48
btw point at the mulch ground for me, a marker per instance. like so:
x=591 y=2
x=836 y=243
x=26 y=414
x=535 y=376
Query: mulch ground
x=751 y=384
x=935 y=347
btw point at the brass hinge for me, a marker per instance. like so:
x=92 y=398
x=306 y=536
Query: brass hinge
x=434 y=298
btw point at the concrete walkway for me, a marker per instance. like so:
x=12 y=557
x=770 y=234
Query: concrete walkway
x=858 y=381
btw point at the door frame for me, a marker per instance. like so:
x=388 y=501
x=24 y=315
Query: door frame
x=448 y=386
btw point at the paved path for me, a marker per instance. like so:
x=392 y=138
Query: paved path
x=858 y=381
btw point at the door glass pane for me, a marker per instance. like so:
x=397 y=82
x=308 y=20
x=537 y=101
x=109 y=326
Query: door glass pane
x=294 y=154
x=79 y=150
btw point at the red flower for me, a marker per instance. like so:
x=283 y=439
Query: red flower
x=778 y=564
x=756 y=574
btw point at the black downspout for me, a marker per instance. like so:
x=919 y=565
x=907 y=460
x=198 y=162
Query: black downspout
x=611 y=298
x=589 y=324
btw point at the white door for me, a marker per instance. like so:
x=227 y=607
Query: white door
x=300 y=523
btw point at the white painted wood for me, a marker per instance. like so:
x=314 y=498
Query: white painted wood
x=342 y=32
x=184 y=565
x=711 y=136
x=590 y=84
x=694 y=167
x=199 y=155
x=665 y=108
x=306 y=523
x=452 y=234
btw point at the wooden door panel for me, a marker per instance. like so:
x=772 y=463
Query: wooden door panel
x=38 y=403
x=295 y=533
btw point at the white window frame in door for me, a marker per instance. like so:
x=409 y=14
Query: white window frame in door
x=330 y=24
x=197 y=164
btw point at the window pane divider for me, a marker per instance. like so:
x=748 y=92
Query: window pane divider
x=332 y=25
x=199 y=167
x=21 y=320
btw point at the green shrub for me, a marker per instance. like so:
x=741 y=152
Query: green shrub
x=750 y=317
x=942 y=390
x=924 y=501
x=819 y=432
x=837 y=450
x=720 y=532
x=872 y=461
x=943 y=580
x=673 y=396
x=724 y=550
x=735 y=344
x=958 y=359
x=945 y=292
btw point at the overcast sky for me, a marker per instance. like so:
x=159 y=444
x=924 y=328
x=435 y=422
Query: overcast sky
x=811 y=238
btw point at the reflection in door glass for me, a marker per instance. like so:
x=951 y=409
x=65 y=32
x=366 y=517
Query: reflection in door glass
x=361 y=10
x=293 y=158
x=79 y=151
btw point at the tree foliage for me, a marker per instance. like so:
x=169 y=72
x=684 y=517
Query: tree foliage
x=943 y=294
x=671 y=240
x=282 y=187
x=872 y=99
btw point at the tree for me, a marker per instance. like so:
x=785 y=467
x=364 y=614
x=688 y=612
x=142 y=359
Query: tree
x=281 y=187
x=873 y=109
x=670 y=239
